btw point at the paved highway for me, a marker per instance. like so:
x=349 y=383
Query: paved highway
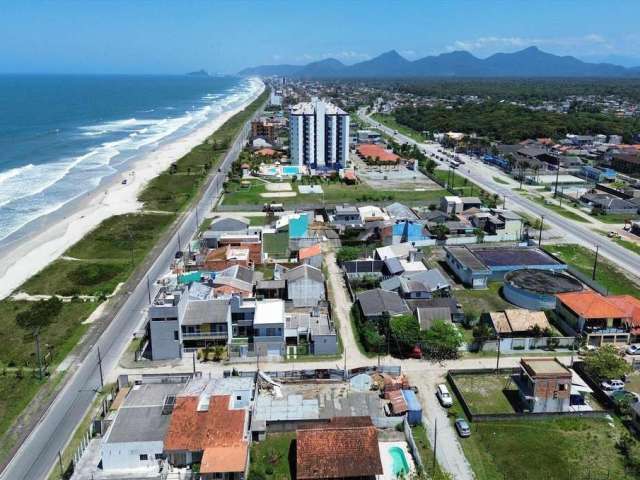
x=482 y=174
x=38 y=454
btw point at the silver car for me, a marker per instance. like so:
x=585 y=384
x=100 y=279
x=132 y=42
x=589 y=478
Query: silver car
x=463 y=428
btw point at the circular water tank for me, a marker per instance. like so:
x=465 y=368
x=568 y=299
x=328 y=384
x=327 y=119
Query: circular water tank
x=537 y=289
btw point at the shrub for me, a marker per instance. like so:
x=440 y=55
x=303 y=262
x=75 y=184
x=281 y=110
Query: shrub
x=89 y=274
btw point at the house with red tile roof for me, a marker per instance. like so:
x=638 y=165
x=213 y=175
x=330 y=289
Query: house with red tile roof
x=207 y=430
x=602 y=319
x=373 y=152
x=311 y=255
x=344 y=448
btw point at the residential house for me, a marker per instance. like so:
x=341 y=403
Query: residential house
x=399 y=211
x=268 y=328
x=305 y=285
x=544 y=385
x=609 y=204
x=433 y=281
x=210 y=431
x=163 y=329
x=375 y=304
x=451 y=303
x=595 y=316
x=206 y=323
x=428 y=315
x=451 y=205
x=467 y=267
x=310 y=328
x=311 y=255
x=346 y=216
x=234 y=280
x=344 y=448
x=518 y=322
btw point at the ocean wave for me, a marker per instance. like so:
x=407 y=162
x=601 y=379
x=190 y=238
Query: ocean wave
x=115 y=126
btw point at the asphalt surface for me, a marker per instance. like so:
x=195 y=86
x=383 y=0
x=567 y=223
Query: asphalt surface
x=574 y=232
x=39 y=453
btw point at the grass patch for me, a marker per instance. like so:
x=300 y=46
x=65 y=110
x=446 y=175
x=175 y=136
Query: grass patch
x=558 y=209
x=276 y=244
x=628 y=244
x=174 y=189
x=486 y=393
x=614 y=218
x=481 y=301
x=459 y=184
x=15 y=395
x=607 y=274
x=562 y=449
x=534 y=222
x=270 y=458
x=103 y=258
x=390 y=121
x=258 y=221
x=426 y=453
x=500 y=181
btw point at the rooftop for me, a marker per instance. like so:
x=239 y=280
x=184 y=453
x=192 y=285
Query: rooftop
x=543 y=281
x=467 y=259
x=269 y=311
x=590 y=304
x=545 y=367
x=505 y=256
x=517 y=320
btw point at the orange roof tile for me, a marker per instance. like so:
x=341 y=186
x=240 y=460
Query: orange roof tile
x=589 y=304
x=372 y=151
x=311 y=251
x=224 y=459
x=217 y=427
x=630 y=305
x=266 y=152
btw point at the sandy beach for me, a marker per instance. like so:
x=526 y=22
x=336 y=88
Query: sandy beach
x=28 y=256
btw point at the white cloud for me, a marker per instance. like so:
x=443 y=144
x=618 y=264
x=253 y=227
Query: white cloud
x=590 y=43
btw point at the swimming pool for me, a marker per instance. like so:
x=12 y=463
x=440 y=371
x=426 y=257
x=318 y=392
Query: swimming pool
x=400 y=464
x=291 y=170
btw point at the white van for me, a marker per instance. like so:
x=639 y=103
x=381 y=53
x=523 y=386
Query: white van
x=443 y=395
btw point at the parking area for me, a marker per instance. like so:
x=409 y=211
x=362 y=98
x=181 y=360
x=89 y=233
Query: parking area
x=393 y=176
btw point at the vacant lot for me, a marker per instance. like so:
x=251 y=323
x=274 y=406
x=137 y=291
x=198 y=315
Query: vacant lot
x=559 y=449
x=607 y=275
x=480 y=301
x=273 y=458
x=488 y=393
x=276 y=244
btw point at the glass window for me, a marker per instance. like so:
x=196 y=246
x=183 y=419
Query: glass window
x=144 y=457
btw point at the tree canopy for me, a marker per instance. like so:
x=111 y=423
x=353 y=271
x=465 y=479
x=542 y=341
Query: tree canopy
x=39 y=314
x=606 y=363
x=443 y=336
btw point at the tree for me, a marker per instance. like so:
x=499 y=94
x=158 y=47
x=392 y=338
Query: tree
x=479 y=235
x=346 y=254
x=39 y=314
x=606 y=363
x=404 y=331
x=443 y=338
x=440 y=231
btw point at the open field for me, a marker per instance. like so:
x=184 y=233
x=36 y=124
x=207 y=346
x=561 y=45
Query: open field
x=461 y=185
x=488 y=393
x=173 y=189
x=614 y=218
x=559 y=449
x=534 y=222
x=273 y=458
x=276 y=244
x=390 y=121
x=558 y=209
x=103 y=258
x=480 y=301
x=333 y=193
x=607 y=274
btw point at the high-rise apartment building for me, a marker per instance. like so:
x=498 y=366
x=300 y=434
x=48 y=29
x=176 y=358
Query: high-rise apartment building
x=319 y=135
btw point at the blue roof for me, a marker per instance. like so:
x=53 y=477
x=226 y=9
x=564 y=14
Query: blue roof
x=412 y=401
x=298 y=226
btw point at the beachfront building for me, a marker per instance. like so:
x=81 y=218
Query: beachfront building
x=319 y=135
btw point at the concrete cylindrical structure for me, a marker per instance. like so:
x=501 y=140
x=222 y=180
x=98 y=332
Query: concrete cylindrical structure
x=537 y=289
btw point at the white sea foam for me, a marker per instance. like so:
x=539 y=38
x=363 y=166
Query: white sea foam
x=31 y=191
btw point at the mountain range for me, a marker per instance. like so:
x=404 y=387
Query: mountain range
x=530 y=62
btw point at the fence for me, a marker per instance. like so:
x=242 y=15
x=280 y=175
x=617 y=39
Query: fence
x=408 y=435
x=322 y=373
x=510 y=345
x=491 y=417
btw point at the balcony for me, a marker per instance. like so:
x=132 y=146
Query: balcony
x=205 y=336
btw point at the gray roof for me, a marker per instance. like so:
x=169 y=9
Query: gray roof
x=434 y=215
x=227 y=224
x=449 y=302
x=428 y=315
x=467 y=259
x=270 y=284
x=238 y=271
x=433 y=279
x=377 y=301
x=401 y=212
x=206 y=311
x=303 y=271
x=394 y=266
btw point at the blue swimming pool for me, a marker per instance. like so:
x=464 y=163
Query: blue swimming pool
x=290 y=170
x=400 y=464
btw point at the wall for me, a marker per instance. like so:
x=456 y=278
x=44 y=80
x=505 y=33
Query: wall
x=325 y=344
x=528 y=299
x=511 y=345
x=126 y=455
x=305 y=292
x=164 y=345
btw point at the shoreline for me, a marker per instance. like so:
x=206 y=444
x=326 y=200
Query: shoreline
x=22 y=258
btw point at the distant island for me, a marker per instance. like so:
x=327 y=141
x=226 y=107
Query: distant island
x=198 y=73
x=530 y=62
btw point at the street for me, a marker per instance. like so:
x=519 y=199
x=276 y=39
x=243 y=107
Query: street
x=572 y=231
x=39 y=452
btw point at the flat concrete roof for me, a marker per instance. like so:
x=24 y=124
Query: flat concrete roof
x=268 y=312
x=545 y=367
x=467 y=258
x=505 y=256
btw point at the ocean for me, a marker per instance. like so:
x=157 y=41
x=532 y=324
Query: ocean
x=61 y=135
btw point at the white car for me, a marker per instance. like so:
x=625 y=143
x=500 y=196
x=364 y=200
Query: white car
x=633 y=349
x=612 y=385
x=444 y=396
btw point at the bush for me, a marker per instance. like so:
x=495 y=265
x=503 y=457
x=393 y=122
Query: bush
x=88 y=274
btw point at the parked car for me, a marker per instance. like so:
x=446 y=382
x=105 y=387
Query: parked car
x=443 y=395
x=633 y=349
x=463 y=428
x=612 y=385
x=587 y=349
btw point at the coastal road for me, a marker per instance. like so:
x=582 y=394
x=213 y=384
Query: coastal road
x=39 y=452
x=482 y=175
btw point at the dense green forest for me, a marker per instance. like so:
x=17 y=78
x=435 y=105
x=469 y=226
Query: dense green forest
x=510 y=123
x=531 y=91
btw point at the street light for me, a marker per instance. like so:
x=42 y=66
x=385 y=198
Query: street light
x=540 y=234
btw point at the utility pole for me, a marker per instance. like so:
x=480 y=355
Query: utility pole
x=60 y=463
x=595 y=264
x=540 y=234
x=345 y=362
x=148 y=289
x=179 y=242
x=555 y=192
x=38 y=355
x=100 y=368
x=197 y=220
x=435 y=444
x=194 y=364
x=498 y=357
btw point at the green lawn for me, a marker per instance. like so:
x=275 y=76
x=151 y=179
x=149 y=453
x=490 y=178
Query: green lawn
x=334 y=193
x=500 y=181
x=534 y=222
x=103 y=258
x=558 y=209
x=628 y=244
x=15 y=394
x=615 y=218
x=273 y=457
x=276 y=244
x=481 y=301
x=607 y=274
x=460 y=184
x=390 y=121
x=559 y=449
x=426 y=453
x=258 y=221
x=486 y=393
x=173 y=191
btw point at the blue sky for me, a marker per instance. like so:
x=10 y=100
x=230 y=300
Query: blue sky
x=161 y=36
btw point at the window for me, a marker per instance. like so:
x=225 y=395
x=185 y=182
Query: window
x=144 y=457
x=159 y=456
x=238 y=397
x=175 y=335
